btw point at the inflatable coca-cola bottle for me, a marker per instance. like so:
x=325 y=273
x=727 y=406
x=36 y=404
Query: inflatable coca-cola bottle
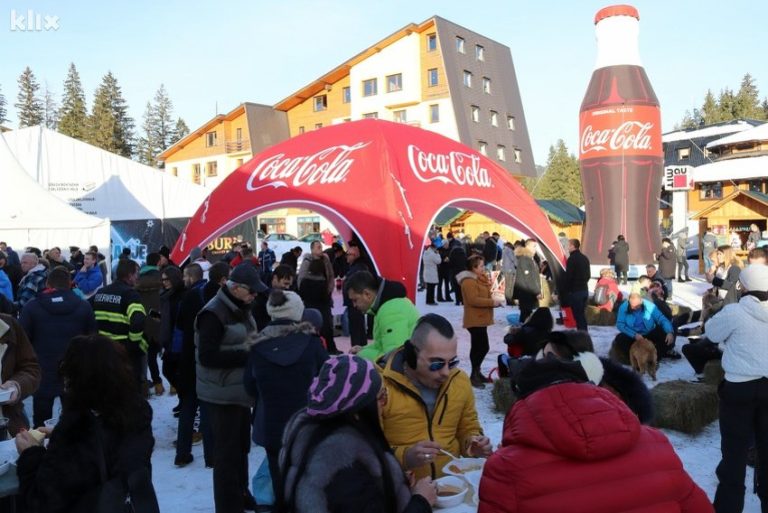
x=620 y=152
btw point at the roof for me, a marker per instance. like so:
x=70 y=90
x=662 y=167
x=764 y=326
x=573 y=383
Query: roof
x=447 y=216
x=757 y=196
x=562 y=211
x=732 y=169
x=758 y=133
x=342 y=70
x=726 y=127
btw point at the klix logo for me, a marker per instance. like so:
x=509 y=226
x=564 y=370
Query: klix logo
x=31 y=21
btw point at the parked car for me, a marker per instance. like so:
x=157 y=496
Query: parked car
x=282 y=242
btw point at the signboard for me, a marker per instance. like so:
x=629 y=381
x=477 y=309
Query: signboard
x=678 y=178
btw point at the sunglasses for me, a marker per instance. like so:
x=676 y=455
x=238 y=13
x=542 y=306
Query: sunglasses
x=435 y=366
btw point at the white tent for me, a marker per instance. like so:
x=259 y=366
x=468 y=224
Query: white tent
x=31 y=216
x=101 y=183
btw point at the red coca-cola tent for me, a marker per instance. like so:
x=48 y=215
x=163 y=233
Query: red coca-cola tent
x=383 y=181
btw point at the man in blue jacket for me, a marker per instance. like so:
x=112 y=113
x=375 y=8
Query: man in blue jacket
x=88 y=278
x=639 y=318
x=51 y=320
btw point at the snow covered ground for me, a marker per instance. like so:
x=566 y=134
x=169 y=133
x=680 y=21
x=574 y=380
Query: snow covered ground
x=189 y=489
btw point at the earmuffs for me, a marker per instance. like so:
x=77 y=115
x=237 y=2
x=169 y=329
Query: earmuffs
x=410 y=354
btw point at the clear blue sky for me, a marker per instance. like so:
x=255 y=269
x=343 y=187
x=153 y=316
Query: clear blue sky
x=209 y=53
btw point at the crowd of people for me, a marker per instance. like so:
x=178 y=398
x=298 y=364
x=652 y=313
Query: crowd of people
x=247 y=345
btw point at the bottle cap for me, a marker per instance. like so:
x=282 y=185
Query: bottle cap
x=616 y=10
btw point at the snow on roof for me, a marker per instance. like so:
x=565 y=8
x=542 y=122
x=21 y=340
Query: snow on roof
x=732 y=169
x=758 y=133
x=682 y=135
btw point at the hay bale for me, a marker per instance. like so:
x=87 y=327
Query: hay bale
x=713 y=373
x=599 y=316
x=678 y=309
x=503 y=397
x=684 y=406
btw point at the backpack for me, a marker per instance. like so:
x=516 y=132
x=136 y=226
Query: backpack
x=131 y=493
x=602 y=296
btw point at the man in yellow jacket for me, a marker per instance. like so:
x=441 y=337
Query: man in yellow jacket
x=430 y=404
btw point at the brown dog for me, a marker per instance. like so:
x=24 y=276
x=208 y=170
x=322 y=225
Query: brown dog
x=643 y=357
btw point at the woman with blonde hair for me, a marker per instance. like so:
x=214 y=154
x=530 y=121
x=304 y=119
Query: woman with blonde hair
x=724 y=274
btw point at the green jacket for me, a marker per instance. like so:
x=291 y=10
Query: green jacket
x=395 y=319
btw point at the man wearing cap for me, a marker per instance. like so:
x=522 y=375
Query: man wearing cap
x=740 y=330
x=639 y=318
x=430 y=402
x=222 y=329
x=394 y=313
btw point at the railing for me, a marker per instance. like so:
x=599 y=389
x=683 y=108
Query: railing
x=237 y=146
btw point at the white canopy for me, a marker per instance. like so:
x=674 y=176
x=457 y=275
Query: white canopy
x=732 y=169
x=759 y=133
x=101 y=183
x=31 y=216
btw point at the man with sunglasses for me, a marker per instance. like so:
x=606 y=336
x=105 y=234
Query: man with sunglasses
x=222 y=329
x=430 y=404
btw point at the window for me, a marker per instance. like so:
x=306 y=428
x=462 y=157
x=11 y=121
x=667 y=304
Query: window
x=239 y=163
x=346 y=95
x=494 y=118
x=518 y=156
x=175 y=171
x=431 y=42
x=399 y=116
x=321 y=102
x=239 y=134
x=318 y=126
x=210 y=139
x=482 y=147
x=683 y=153
x=511 y=122
x=711 y=191
x=370 y=87
x=434 y=113
x=301 y=129
x=479 y=53
x=501 y=153
x=756 y=185
x=475 y=113
x=395 y=82
x=432 y=77
x=467 y=78
x=196 y=173
x=371 y=115
x=486 y=85
x=460 y=44
x=211 y=168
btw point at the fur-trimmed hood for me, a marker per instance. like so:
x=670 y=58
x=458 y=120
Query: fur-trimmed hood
x=469 y=275
x=524 y=252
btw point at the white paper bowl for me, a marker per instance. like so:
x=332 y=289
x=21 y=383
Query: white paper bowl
x=451 y=500
x=461 y=466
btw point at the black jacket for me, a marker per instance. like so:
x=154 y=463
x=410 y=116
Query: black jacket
x=457 y=258
x=532 y=335
x=577 y=273
x=490 y=250
x=282 y=363
x=50 y=321
x=290 y=260
x=621 y=255
x=52 y=480
x=192 y=301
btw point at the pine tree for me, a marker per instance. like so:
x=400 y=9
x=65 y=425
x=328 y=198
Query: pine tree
x=73 y=117
x=51 y=112
x=562 y=179
x=29 y=106
x=727 y=105
x=747 y=101
x=3 y=111
x=162 y=124
x=710 y=112
x=180 y=131
x=764 y=106
x=111 y=128
x=146 y=152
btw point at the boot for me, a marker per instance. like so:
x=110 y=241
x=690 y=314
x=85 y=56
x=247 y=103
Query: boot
x=476 y=378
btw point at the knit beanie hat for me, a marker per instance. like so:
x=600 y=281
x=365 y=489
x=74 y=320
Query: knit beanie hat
x=755 y=278
x=314 y=317
x=345 y=384
x=195 y=254
x=284 y=304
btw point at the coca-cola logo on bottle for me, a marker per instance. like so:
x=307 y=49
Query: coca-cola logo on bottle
x=456 y=168
x=328 y=166
x=630 y=135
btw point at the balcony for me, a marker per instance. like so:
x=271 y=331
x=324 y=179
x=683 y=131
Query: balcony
x=237 y=146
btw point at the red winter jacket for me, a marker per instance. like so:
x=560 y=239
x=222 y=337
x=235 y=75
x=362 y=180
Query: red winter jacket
x=577 y=448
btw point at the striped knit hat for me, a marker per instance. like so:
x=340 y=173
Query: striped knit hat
x=344 y=384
